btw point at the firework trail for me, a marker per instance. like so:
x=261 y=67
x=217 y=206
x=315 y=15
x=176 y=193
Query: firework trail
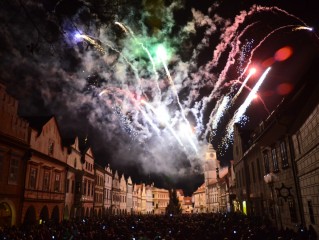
x=162 y=58
x=94 y=42
x=216 y=115
x=99 y=47
x=126 y=123
x=294 y=28
x=251 y=72
x=166 y=123
x=229 y=36
x=128 y=30
x=242 y=109
x=149 y=120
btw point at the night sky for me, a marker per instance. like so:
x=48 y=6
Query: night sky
x=147 y=84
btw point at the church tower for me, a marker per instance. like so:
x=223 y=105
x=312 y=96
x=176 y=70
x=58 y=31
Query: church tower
x=211 y=164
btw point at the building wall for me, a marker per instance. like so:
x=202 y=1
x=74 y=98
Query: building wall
x=88 y=183
x=129 y=196
x=306 y=145
x=74 y=164
x=107 y=190
x=115 y=207
x=14 y=152
x=199 y=200
x=45 y=175
x=123 y=193
x=99 y=191
x=149 y=200
x=161 y=199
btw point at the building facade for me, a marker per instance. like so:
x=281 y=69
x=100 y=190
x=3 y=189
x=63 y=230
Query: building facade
x=160 y=199
x=107 y=190
x=46 y=173
x=129 y=196
x=74 y=166
x=98 y=204
x=123 y=195
x=14 y=153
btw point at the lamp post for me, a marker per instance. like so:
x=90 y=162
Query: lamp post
x=270 y=178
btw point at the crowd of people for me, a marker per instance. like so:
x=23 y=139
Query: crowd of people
x=155 y=227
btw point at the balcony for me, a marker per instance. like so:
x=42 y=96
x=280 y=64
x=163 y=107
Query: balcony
x=43 y=195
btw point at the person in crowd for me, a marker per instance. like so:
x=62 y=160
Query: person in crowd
x=215 y=226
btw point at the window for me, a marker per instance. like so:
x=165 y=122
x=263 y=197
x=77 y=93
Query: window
x=46 y=181
x=274 y=159
x=266 y=162
x=89 y=188
x=284 y=156
x=13 y=171
x=292 y=210
x=57 y=182
x=33 y=178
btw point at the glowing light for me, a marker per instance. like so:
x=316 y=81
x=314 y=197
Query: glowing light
x=165 y=122
x=284 y=88
x=303 y=28
x=252 y=70
x=77 y=35
x=161 y=53
x=283 y=53
x=162 y=115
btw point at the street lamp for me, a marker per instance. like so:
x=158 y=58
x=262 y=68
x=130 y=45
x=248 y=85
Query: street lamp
x=270 y=178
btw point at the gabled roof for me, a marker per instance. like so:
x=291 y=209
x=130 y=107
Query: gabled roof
x=200 y=189
x=37 y=122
